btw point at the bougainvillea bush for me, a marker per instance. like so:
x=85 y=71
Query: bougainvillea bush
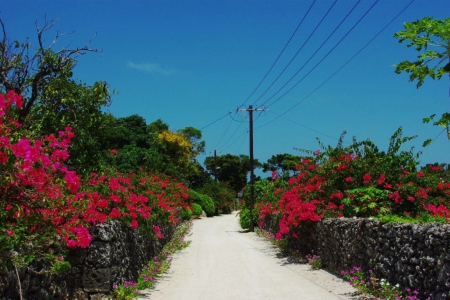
x=44 y=206
x=359 y=180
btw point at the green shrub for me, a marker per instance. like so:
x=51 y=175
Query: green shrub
x=222 y=195
x=204 y=201
x=197 y=209
x=244 y=217
x=186 y=214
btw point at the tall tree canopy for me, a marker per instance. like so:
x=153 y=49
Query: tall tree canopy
x=232 y=169
x=283 y=163
x=133 y=145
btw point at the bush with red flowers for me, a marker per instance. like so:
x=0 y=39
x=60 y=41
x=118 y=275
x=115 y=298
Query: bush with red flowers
x=44 y=206
x=359 y=180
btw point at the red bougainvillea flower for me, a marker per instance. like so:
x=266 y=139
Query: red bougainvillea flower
x=381 y=179
x=367 y=178
x=134 y=224
x=156 y=229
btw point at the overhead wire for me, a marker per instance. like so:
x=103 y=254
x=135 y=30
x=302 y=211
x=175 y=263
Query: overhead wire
x=292 y=59
x=228 y=127
x=242 y=141
x=231 y=136
x=326 y=55
x=216 y=121
x=439 y=134
x=311 y=129
x=234 y=141
x=318 y=49
x=282 y=51
x=345 y=64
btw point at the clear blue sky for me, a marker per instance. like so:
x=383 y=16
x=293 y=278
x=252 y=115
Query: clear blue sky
x=191 y=62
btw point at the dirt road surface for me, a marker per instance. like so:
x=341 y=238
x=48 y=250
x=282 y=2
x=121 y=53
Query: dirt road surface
x=225 y=262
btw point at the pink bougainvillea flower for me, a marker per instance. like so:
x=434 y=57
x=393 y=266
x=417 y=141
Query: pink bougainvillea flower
x=134 y=224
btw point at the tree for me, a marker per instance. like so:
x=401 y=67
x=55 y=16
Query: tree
x=432 y=63
x=284 y=163
x=52 y=99
x=232 y=169
x=28 y=73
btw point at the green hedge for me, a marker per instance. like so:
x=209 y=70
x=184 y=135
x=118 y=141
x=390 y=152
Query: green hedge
x=197 y=209
x=204 y=201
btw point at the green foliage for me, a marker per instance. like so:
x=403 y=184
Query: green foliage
x=423 y=218
x=377 y=288
x=367 y=201
x=357 y=180
x=282 y=163
x=231 y=169
x=264 y=190
x=52 y=98
x=204 y=201
x=140 y=146
x=222 y=195
x=64 y=102
x=244 y=217
x=186 y=214
x=156 y=267
x=197 y=209
x=422 y=35
x=314 y=261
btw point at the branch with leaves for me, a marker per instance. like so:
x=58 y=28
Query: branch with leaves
x=422 y=35
x=26 y=69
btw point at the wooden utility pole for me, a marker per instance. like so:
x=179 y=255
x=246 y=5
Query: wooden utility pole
x=215 y=165
x=252 y=167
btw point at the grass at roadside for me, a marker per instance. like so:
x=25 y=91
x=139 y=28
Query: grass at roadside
x=156 y=267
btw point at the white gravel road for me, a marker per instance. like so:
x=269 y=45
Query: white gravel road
x=225 y=262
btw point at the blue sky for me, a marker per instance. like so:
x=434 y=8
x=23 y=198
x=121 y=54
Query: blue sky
x=190 y=63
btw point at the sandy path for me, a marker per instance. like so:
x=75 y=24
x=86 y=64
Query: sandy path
x=223 y=262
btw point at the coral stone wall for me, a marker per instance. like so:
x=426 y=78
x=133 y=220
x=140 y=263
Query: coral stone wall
x=411 y=255
x=117 y=253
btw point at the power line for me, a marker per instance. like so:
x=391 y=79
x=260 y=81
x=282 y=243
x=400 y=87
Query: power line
x=326 y=55
x=338 y=70
x=215 y=121
x=318 y=49
x=439 y=134
x=232 y=135
x=311 y=129
x=231 y=121
x=240 y=145
x=279 y=55
x=306 y=41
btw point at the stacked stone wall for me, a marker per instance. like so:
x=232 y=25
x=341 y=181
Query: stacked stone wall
x=117 y=253
x=411 y=255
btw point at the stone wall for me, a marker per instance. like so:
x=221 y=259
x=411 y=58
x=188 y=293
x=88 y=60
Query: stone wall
x=413 y=256
x=117 y=253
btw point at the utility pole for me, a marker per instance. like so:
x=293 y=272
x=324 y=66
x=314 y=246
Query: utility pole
x=252 y=172
x=215 y=165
